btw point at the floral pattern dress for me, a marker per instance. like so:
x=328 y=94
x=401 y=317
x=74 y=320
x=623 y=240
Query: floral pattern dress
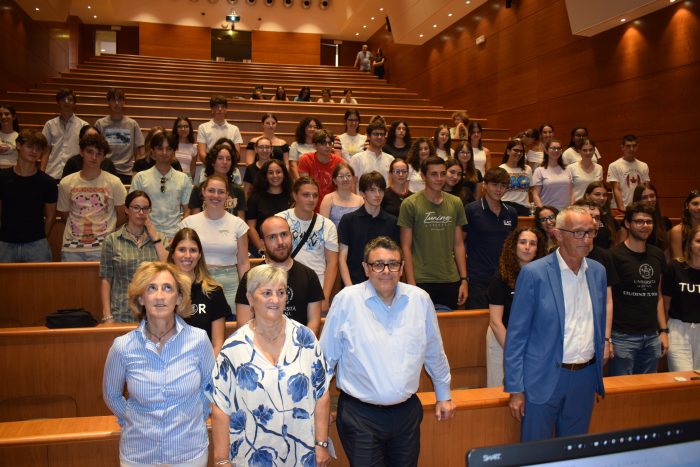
x=271 y=407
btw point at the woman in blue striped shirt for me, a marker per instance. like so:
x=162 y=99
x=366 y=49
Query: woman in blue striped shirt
x=166 y=366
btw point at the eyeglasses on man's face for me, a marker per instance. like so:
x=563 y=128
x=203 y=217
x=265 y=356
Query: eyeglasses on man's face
x=579 y=234
x=378 y=266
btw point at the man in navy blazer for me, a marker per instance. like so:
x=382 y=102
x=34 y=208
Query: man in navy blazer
x=553 y=358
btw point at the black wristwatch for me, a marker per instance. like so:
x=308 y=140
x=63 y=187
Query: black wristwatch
x=323 y=444
x=663 y=330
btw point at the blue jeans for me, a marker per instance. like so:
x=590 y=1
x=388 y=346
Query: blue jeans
x=80 y=256
x=634 y=354
x=37 y=251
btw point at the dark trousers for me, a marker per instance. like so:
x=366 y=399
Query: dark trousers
x=567 y=412
x=443 y=294
x=477 y=298
x=376 y=436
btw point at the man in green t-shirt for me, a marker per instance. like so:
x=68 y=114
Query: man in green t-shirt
x=431 y=238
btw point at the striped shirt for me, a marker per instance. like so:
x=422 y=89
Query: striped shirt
x=164 y=419
x=118 y=263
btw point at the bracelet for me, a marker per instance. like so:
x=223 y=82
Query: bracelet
x=222 y=462
x=157 y=241
x=107 y=318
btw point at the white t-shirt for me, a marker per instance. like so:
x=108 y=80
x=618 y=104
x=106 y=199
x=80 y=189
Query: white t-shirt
x=367 y=161
x=479 y=156
x=352 y=144
x=219 y=237
x=185 y=153
x=297 y=150
x=580 y=179
x=442 y=154
x=210 y=132
x=313 y=253
x=9 y=157
x=519 y=185
x=628 y=175
x=123 y=137
x=90 y=205
x=555 y=186
x=415 y=180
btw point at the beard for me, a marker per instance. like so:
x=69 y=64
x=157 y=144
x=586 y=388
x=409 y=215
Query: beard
x=279 y=255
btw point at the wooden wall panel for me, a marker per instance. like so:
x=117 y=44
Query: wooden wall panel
x=638 y=78
x=286 y=47
x=170 y=40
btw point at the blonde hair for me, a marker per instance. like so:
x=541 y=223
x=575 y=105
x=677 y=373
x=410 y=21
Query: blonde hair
x=145 y=274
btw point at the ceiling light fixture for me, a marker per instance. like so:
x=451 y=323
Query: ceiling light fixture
x=36 y=8
x=420 y=35
x=449 y=15
x=434 y=25
x=622 y=20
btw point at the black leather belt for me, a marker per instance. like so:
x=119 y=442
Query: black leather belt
x=578 y=366
x=355 y=399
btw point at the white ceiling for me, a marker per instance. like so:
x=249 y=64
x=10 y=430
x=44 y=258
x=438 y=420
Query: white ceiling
x=412 y=21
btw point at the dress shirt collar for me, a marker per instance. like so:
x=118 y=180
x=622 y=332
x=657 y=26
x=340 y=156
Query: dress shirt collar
x=565 y=267
x=370 y=296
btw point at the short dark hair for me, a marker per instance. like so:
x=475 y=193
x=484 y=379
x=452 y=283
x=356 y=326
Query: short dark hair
x=638 y=208
x=157 y=140
x=217 y=99
x=85 y=128
x=372 y=179
x=381 y=242
x=496 y=175
x=431 y=160
x=629 y=138
x=63 y=93
x=114 y=94
x=96 y=141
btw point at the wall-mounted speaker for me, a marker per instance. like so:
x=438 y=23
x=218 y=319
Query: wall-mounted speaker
x=306 y=4
x=324 y=4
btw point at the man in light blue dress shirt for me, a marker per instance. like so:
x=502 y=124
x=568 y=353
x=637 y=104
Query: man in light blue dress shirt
x=377 y=337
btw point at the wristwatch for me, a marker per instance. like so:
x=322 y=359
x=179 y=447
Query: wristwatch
x=663 y=330
x=323 y=444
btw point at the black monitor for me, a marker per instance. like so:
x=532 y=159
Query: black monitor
x=674 y=444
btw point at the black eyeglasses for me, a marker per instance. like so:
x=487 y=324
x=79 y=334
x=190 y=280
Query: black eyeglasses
x=579 y=234
x=550 y=218
x=162 y=184
x=378 y=266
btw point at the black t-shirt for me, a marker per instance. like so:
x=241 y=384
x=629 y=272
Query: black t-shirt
x=356 y=229
x=392 y=201
x=263 y=205
x=206 y=310
x=636 y=296
x=500 y=294
x=604 y=238
x=234 y=203
x=682 y=284
x=23 y=200
x=471 y=186
x=251 y=172
x=303 y=288
x=398 y=153
x=605 y=258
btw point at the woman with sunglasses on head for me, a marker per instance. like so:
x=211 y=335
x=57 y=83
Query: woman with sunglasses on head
x=550 y=182
x=398 y=141
x=224 y=236
x=209 y=306
x=186 y=149
x=280 y=148
x=123 y=251
x=517 y=194
x=679 y=234
x=522 y=246
x=343 y=200
x=220 y=161
x=545 y=221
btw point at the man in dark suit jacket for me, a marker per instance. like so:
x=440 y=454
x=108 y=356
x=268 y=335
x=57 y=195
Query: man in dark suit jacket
x=553 y=359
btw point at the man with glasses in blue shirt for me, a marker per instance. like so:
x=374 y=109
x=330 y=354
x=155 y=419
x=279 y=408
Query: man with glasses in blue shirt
x=639 y=330
x=377 y=337
x=553 y=358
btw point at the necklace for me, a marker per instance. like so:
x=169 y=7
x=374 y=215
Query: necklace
x=148 y=330
x=279 y=333
x=133 y=234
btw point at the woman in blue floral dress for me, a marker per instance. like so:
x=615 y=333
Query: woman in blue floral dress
x=270 y=391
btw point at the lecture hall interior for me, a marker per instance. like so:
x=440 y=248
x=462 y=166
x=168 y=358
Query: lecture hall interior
x=615 y=67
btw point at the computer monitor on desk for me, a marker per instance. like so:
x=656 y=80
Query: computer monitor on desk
x=675 y=444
